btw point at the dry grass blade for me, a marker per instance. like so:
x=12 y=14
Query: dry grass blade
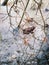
x=23 y=13
x=39 y=8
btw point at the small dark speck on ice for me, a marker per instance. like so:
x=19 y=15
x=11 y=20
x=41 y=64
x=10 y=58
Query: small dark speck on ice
x=47 y=10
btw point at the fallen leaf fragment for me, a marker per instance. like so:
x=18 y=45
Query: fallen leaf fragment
x=25 y=41
x=44 y=39
x=29 y=19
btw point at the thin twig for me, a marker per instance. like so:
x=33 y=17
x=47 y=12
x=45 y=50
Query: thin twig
x=23 y=13
x=12 y=6
x=42 y=18
x=39 y=8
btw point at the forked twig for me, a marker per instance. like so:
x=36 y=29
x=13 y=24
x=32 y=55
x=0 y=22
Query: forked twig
x=39 y=8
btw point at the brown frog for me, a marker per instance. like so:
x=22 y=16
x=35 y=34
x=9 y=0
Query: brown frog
x=28 y=30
